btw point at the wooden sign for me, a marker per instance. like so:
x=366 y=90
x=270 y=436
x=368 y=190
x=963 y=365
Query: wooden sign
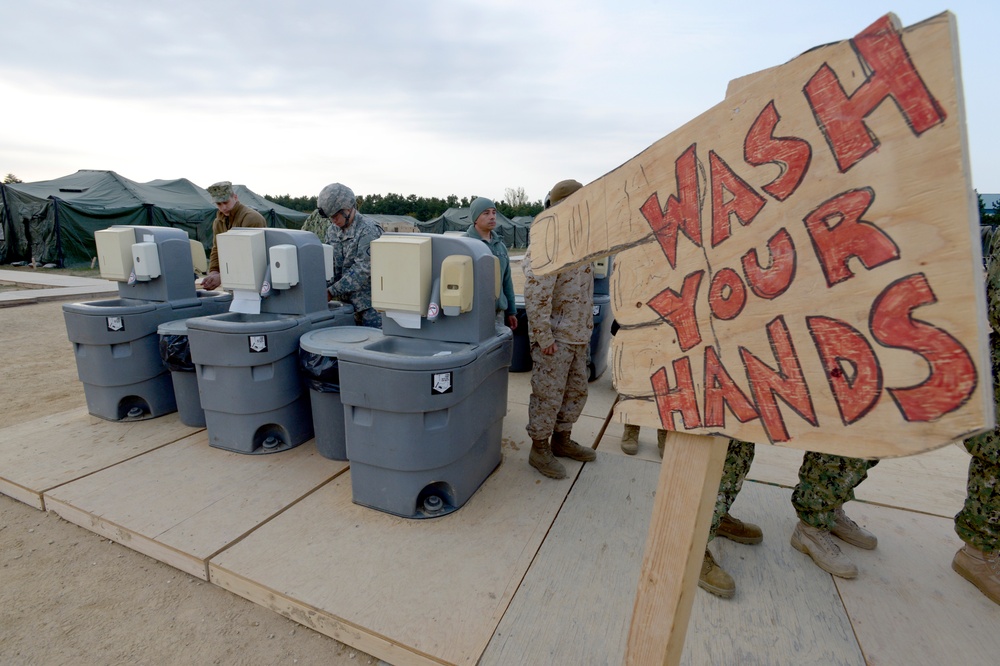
x=801 y=264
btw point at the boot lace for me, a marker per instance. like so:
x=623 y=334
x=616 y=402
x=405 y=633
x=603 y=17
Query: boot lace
x=845 y=520
x=826 y=542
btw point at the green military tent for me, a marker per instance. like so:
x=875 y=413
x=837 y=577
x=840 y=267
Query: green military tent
x=513 y=233
x=54 y=221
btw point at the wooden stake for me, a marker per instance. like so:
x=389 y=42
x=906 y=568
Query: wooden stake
x=678 y=533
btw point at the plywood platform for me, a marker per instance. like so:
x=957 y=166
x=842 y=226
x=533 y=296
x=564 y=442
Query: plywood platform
x=185 y=502
x=530 y=570
x=410 y=592
x=41 y=455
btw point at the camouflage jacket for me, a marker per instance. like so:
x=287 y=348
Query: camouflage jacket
x=352 y=261
x=239 y=216
x=560 y=306
x=318 y=225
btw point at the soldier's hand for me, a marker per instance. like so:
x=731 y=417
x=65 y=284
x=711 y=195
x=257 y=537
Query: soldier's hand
x=551 y=349
x=211 y=281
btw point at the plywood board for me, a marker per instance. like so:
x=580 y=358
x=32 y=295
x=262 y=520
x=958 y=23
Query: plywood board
x=185 y=502
x=406 y=591
x=39 y=455
x=575 y=603
x=907 y=606
x=801 y=263
x=786 y=609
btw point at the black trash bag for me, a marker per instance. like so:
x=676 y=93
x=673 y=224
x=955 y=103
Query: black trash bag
x=176 y=353
x=321 y=373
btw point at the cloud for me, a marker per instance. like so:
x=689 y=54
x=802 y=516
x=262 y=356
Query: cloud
x=371 y=89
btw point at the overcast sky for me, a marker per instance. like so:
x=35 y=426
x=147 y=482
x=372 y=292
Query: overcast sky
x=413 y=97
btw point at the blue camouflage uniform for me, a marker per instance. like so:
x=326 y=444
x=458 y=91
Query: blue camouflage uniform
x=827 y=482
x=739 y=456
x=978 y=523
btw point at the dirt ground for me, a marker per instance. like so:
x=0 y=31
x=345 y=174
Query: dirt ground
x=69 y=596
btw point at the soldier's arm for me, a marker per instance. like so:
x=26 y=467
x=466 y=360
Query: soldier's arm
x=358 y=275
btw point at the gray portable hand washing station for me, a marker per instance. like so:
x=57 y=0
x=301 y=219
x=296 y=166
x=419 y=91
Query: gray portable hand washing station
x=246 y=360
x=424 y=402
x=115 y=341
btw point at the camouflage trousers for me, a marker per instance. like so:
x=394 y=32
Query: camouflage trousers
x=826 y=482
x=558 y=389
x=978 y=523
x=739 y=455
x=368 y=317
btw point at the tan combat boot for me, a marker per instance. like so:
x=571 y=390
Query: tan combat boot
x=564 y=447
x=736 y=530
x=847 y=530
x=630 y=440
x=661 y=440
x=541 y=459
x=819 y=545
x=713 y=579
x=981 y=569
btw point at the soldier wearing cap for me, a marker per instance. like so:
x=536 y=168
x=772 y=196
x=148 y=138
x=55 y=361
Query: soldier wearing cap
x=560 y=309
x=231 y=214
x=483 y=214
x=350 y=234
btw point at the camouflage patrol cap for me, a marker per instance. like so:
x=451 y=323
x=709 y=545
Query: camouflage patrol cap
x=563 y=189
x=335 y=197
x=221 y=192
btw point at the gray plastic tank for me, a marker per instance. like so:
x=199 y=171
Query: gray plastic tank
x=424 y=420
x=319 y=360
x=247 y=364
x=249 y=381
x=115 y=341
x=424 y=406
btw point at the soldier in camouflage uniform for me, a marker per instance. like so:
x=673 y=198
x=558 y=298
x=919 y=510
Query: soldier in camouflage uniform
x=231 y=214
x=560 y=321
x=713 y=578
x=978 y=523
x=350 y=235
x=826 y=483
x=483 y=214
x=317 y=224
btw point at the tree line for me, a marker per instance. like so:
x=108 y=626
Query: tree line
x=514 y=204
x=991 y=219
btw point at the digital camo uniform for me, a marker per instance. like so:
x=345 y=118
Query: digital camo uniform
x=560 y=309
x=827 y=482
x=739 y=456
x=978 y=523
x=352 y=267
